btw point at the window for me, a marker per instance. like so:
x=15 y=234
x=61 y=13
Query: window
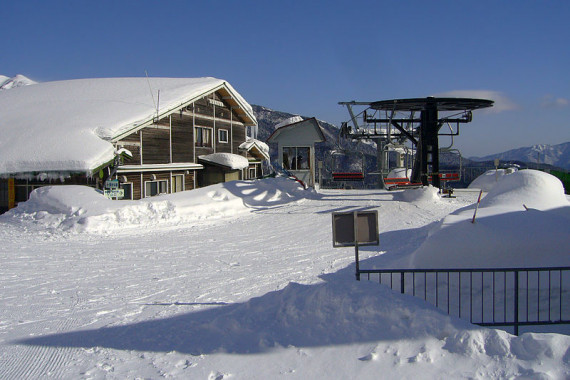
x=296 y=158
x=177 y=183
x=128 y=189
x=152 y=188
x=203 y=137
x=252 y=173
x=251 y=131
x=223 y=135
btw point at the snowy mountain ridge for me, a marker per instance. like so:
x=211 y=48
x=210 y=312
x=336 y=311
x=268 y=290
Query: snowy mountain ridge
x=556 y=155
x=19 y=80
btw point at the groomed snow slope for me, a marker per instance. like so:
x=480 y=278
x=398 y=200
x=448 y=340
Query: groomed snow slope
x=255 y=292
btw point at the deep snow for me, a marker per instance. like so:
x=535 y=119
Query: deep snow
x=524 y=221
x=237 y=280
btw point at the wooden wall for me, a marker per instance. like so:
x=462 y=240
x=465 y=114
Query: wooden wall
x=135 y=179
x=179 y=127
x=171 y=140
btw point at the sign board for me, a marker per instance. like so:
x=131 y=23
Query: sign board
x=112 y=184
x=358 y=228
x=115 y=193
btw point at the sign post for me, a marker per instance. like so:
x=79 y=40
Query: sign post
x=112 y=189
x=355 y=229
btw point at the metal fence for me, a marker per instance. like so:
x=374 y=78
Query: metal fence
x=487 y=297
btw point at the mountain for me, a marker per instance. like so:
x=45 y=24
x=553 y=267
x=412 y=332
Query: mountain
x=555 y=155
x=19 y=80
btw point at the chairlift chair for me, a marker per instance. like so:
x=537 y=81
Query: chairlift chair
x=339 y=175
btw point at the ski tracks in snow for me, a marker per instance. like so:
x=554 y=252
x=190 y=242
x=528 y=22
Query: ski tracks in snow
x=56 y=284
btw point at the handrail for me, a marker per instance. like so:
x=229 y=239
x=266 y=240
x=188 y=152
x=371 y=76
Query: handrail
x=489 y=296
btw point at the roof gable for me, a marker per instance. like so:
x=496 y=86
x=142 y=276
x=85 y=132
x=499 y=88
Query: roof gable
x=308 y=130
x=256 y=148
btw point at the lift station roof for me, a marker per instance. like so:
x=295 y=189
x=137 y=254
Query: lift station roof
x=442 y=104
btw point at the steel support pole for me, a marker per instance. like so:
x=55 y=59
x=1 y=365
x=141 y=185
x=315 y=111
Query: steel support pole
x=429 y=144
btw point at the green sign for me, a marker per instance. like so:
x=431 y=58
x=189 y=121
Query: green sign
x=115 y=193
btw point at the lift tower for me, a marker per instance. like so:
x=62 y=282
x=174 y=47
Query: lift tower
x=401 y=121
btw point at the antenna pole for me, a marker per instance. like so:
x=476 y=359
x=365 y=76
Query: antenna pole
x=157 y=105
x=150 y=88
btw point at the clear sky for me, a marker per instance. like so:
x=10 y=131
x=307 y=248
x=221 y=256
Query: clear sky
x=303 y=57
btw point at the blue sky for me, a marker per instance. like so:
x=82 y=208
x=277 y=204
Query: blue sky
x=304 y=57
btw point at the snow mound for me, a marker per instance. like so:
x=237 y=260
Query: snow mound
x=505 y=233
x=400 y=173
x=303 y=318
x=533 y=188
x=291 y=120
x=83 y=209
x=422 y=194
x=490 y=178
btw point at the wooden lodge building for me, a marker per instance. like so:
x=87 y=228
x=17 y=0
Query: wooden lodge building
x=151 y=135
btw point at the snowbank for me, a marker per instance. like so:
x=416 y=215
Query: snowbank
x=422 y=194
x=84 y=209
x=490 y=178
x=505 y=233
x=394 y=334
x=532 y=188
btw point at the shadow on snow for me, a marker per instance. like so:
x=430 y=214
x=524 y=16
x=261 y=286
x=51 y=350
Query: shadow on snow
x=337 y=311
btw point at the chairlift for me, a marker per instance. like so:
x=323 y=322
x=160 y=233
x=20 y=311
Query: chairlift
x=399 y=176
x=447 y=176
x=349 y=155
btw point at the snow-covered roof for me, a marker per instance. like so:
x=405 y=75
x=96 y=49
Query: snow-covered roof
x=229 y=160
x=69 y=125
x=304 y=124
x=260 y=146
x=291 y=120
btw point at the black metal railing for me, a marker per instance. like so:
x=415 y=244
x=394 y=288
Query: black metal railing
x=487 y=297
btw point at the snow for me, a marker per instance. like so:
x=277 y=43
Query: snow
x=7 y=83
x=291 y=120
x=239 y=280
x=422 y=194
x=400 y=173
x=232 y=161
x=249 y=143
x=522 y=222
x=490 y=178
x=67 y=125
x=78 y=209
